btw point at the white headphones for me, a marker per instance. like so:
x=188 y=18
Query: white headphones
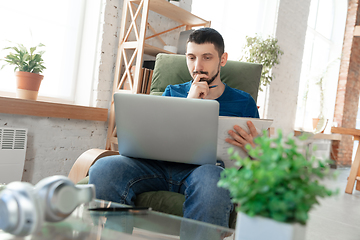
x=23 y=207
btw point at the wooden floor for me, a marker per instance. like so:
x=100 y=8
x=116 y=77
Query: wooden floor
x=338 y=217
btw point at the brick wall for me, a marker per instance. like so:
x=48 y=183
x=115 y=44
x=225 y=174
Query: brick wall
x=347 y=98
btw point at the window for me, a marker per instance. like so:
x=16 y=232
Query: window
x=61 y=27
x=321 y=62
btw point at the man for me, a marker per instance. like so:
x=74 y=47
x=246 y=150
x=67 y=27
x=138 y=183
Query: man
x=120 y=178
x=205 y=53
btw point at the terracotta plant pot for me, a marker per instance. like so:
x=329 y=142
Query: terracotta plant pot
x=315 y=122
x=319 y=124
x=28 y=85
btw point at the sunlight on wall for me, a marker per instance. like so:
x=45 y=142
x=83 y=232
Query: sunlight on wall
x=321 y=61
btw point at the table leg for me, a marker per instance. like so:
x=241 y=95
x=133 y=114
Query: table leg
x=358 y=181
x=354 y=171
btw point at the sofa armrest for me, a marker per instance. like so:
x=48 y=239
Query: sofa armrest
x=81 y=167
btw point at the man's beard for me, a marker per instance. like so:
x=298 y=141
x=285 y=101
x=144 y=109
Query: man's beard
x=209 y=81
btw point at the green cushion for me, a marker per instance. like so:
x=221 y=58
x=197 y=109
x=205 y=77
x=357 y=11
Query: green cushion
x=84 y=180
x=166 y=202
x=171 y=69
x=162 y=201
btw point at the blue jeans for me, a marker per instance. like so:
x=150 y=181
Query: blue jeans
x=120 y=179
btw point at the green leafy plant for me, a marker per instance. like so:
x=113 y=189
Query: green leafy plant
x=263 y=51
x=24 y=60
x=280 y=183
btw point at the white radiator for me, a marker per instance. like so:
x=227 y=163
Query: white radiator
x=12 y=154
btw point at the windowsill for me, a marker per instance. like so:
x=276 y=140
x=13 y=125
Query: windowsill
x=40 y=108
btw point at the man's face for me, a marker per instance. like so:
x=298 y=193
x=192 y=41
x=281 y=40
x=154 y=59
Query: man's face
x=203 y=59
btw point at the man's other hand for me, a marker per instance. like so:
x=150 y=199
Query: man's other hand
x=240 y=137
x=199 y=89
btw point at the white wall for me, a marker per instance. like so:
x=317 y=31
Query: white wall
x=291 y=30
x=53 y=143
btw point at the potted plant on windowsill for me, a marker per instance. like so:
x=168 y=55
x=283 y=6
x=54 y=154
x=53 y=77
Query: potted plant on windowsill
x=274 y=191
x=28 y=66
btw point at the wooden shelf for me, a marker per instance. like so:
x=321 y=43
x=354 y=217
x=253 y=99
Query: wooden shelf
x=48 y=109
x=129 y=67
x=153 y=51
x=175 y=13
x=327 y=136
x=324 y=136
x=346 y=131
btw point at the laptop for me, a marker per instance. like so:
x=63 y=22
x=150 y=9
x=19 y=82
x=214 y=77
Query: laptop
x=183 y=37
x=167 y=128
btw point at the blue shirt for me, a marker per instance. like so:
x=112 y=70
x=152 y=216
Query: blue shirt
x=233 y=102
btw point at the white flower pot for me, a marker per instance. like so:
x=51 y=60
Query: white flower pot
x=259 y=228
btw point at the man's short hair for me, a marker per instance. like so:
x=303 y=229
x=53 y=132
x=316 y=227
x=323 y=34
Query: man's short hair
x=208 y=35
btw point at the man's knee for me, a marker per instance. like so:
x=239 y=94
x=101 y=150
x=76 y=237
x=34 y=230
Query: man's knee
x=205 y=201
x=108 y=166
x=206 y=176
x=107 y=174
x=109 y=171
x=203 y=181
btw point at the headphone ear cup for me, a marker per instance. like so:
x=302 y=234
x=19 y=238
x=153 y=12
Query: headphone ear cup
x=60 y=197
x=46 y=190
x=20 y=212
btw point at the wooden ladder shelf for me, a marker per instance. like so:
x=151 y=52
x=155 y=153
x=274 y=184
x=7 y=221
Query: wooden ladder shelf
x=132 y=46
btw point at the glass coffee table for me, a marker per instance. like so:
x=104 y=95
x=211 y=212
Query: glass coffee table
x=129 y=225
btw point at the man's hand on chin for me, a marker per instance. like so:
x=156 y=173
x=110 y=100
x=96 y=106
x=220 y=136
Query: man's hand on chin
x=199 y=89
x=240 y=138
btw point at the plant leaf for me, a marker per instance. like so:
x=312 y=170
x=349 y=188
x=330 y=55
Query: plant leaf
x=24 y=60
x=281 y=183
